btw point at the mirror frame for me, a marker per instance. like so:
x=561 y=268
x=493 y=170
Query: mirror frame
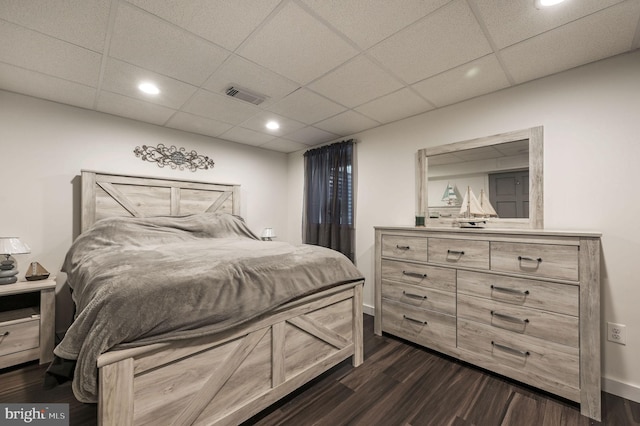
x=536 y=178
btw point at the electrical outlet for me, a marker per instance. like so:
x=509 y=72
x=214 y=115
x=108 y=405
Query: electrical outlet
x=617 y=333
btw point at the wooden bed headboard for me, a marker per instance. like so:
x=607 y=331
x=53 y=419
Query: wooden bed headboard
x=107 y=195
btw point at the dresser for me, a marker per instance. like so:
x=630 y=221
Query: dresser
x=522 y=303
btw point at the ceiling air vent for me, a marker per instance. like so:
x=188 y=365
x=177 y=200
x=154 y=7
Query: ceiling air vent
x=245 y=95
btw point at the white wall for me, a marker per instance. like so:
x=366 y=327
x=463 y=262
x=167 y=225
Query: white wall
x=591 y=119
x=45 y=145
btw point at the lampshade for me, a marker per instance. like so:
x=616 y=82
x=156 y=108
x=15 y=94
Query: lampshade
x=13 y=245
x=268 y=234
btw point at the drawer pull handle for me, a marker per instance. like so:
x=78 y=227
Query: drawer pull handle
x=509 y=290
x=5 y=334
x=459 y=252
x=530 y=259
x=414 y=274
x=414 y=296
x=509 y=317
x=402 y=247
x=414 y=320
x=509 y=349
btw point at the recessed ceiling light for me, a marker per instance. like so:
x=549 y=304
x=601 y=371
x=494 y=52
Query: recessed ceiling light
x=149 y=88
x=273 y=125
x=546 y=3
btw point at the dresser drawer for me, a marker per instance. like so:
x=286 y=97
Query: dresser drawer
x=554 y=297
x=427 y=328
x=562 y=329
x=19 y=335
x=526 y=357
x=458 y=252
x=417 y=274
x=542 y=260
x=409 y=248
x=421 y=297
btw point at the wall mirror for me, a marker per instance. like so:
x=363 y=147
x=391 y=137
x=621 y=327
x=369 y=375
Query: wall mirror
x=504 y=171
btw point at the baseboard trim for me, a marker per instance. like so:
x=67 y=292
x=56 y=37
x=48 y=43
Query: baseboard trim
x=369 y=310
x=620 y=389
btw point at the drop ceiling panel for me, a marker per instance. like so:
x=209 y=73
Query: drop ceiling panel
x=397 y=105
x=307 y=107
x=347 y=123
x=367 y=22
x=246 y=136
x=311 y=136
x=259 y=121
x=220 y=107
x=35 y=51
x=297 y=46
x=148 y=42
x=356 y=82
x=195 y=124
x=284 y=145
x=123 y=78
x=484 y=75
x=136 y=109
x=443 y=40
x=510 y=22
x=226 y=23
x=44 y=86
x=81 y=22
x=565 y=47
x=237 y=70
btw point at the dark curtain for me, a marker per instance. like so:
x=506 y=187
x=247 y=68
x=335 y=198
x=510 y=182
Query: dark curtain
x=328 y=216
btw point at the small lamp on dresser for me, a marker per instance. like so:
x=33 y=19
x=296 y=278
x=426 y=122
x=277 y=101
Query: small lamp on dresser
x=8 y=247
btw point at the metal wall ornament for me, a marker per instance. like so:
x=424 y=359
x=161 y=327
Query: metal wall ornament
x=176 y=158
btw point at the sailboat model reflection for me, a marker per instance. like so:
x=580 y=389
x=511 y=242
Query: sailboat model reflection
x=474 y=212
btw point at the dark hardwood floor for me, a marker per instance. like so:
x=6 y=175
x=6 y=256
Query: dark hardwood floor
x=398 y=384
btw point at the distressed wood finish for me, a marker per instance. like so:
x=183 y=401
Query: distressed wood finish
x=227 y=377
x=107 y=195
x=419 y=274
x=539 y=325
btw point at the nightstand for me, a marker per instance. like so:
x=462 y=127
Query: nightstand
x=27 y=322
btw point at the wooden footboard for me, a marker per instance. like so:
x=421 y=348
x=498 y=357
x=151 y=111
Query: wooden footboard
x=229 y=377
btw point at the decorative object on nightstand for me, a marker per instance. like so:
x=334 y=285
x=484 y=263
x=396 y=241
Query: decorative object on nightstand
x=36 y=272
x=268 y=234
x=8 y=247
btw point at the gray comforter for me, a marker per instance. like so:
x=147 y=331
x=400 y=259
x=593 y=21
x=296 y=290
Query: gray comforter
x=137 y=281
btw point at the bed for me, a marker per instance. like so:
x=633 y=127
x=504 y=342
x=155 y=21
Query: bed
x=207 y=374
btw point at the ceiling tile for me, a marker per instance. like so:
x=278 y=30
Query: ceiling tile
x=35 y=51
x=284 y=145
x=123 y=78
x=395 y=106
x=297 y=46
x=246 y=74
x=196 y=124
x=136 y=109
x=347 y=123
x=226 y=23
x=476 y=78
x=356 y=82
x=367 y=22
x=306 y=106
x=220 y=107
x=512 y=21
x=44 y=86
x=145 y=40
x=81 y=22
x=259 y=121
x=449 y=37
x=311 y=136
x=246 y=136
x=565 y=47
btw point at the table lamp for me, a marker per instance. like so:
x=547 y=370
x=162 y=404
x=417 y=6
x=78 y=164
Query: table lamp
x=8 y=247
x=268 y=234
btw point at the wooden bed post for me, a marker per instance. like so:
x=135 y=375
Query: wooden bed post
x=358 y=338
x=115 y=404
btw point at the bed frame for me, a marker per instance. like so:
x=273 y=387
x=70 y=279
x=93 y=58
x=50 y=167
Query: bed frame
x=228 y=377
